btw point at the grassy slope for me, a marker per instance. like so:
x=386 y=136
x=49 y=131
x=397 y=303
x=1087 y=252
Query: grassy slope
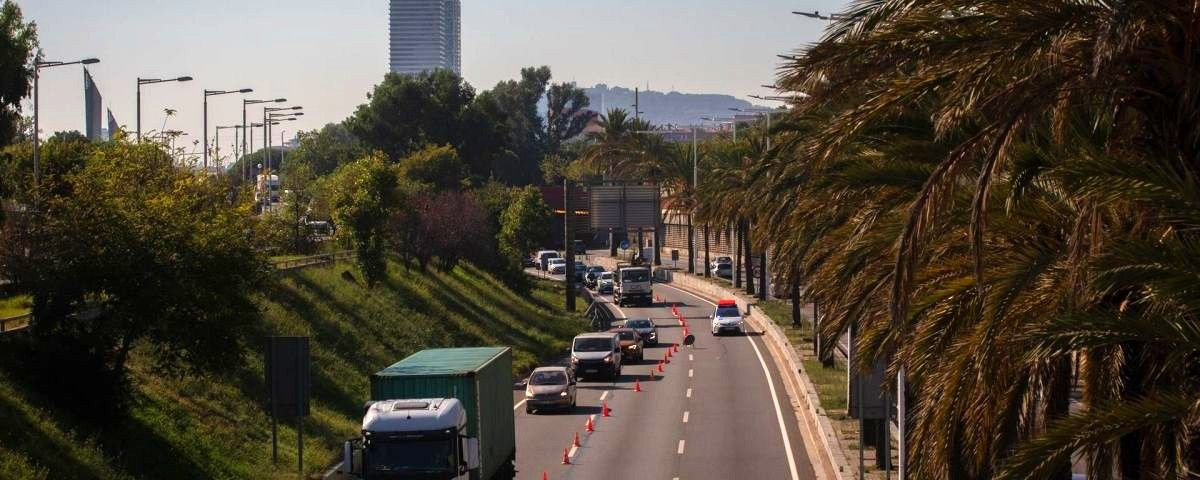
x=212 y=427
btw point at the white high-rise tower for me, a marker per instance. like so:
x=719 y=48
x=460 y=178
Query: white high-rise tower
x=425 y=35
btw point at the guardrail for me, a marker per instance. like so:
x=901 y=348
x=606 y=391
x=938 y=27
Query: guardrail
x=313 y=260
x=13 y=324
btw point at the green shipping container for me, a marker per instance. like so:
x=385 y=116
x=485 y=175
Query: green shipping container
x=481 y=378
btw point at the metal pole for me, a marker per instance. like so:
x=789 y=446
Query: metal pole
x=568 y=246
x=901 y=413
x=36 y=141
x=243 y=140
x=139 y=110
x=205 y=147
x=217 y=139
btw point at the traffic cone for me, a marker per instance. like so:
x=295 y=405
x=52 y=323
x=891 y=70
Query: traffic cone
x=651 y=373
x=566 y=459
x=576 y=442
x=637 y=385
x=604 y=411
x=675 y=347
x=667 y=357
x=545 y=476
x=660 y=366
x=591 y=427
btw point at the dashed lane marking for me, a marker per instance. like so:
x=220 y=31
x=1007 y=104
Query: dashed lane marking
x=685 y=417
x=690 y=372
x=604 y=395
x=689 y=393
x=680 y=451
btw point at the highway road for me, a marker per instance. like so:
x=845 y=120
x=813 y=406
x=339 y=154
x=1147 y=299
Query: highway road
x=719 y=411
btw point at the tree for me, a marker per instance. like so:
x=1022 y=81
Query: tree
x=363 y=196
x=326 y=149
x=298 y=178
x=566 y=115
x=437 y=167
x=130 y=248
x=523 y=225
x=17 y=47
x=518 y=99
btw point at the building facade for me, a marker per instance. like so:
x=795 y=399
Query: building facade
x=425 y=35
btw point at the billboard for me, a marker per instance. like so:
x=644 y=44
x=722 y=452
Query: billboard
x=624 y=206
x=91 y=106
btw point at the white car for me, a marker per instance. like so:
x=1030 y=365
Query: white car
x=727 y=318
x=604 y=284
x=557 y=266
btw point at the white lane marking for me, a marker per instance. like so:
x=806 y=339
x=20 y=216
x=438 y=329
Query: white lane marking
x=690 y=372
x=332 y=469
x=574 y=450
x=604 y=395
x=689 y=393
x=680 y=451
x=691 y=358
x=685 y=416
x=787 y=443
x=518 y=405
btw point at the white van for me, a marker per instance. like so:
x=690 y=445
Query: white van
x=544 y=256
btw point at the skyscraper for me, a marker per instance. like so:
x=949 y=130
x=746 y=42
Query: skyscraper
x=425 y=35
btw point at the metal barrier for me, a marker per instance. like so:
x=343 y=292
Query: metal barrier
x=314 y=260
x=13 y=324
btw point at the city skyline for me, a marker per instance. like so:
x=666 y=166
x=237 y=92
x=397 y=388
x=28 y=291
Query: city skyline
x=327 y=58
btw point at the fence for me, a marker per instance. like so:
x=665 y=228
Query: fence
x=13 y=324
x=311 y=261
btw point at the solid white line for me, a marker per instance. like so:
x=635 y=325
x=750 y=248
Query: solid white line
x=690 y=372
x=680 y=451
x=689 y=393
x=518 y=405
x=685 y=417
x=787 y=443
x=604 y=395
x=333 y=469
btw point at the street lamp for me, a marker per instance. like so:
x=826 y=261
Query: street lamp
x=268 y=112
x=38 y=65
x=212 y=93
x=244 y=104
x=151 y=81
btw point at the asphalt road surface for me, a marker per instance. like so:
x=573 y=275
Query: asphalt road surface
x=719 y=411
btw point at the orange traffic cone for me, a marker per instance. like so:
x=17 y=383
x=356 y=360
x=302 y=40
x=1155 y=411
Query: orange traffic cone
x=591 y=427
x=637 y=385
x=652 y=372
x=576 y=442
x=604 y=411
x=675 y=347
x=660 y=366
x=566 y=459
x=667 y=358
x=545 y=476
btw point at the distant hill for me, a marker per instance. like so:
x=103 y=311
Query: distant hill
x=671 y=108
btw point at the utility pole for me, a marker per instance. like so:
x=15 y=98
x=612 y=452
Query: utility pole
x=568 y=246
x=637 y=109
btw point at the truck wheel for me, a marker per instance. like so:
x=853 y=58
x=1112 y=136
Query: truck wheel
x=528 y=409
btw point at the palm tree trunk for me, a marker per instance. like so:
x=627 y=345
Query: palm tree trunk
x=1058 y=406
x=794 y=286
x=737 y=254
x=691 y=246
x=747 y=263
x=707 y=271
x=763 y=284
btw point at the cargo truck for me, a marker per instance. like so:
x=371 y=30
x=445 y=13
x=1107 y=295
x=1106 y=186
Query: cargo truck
x=439 y=414
x=633 y=285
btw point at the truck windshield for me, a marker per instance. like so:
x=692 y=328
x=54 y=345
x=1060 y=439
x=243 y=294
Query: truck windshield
x=395 y=459
x=593 y=345
x=635 y=276
x=727 y=311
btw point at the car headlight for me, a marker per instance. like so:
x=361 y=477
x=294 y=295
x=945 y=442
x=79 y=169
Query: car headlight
x=562 y=393
x=528 y=393
x=653 y=335
x=608 y=359
x=574 y=360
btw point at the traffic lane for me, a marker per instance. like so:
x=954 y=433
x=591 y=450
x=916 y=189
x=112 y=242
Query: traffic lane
x=640 y=439
x=542 y=437
x=733 y=430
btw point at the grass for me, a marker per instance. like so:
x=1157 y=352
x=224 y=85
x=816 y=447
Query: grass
x=215 y=427
x=15 y=305
x=829 y=382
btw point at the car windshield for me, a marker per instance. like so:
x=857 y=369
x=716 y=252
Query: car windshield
x=638 y=323
x=606 y=276
x=595 y=269
x=593 y=344
x=626 y=335
x=557 y=261
x=548 y=378
x=580 y=267
x=416 y=456
x=724 y=260
x=727 y=311
x=635 y=276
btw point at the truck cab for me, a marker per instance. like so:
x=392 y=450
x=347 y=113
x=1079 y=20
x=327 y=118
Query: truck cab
x=633 y=285
x=413 y=439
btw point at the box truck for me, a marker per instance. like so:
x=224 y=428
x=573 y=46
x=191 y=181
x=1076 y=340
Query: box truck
x=438 y=414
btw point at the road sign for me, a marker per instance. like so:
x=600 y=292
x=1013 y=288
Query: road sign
x=624 y=206
x=624 y=244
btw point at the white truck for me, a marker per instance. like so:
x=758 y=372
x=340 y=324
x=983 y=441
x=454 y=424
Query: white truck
x=633 y=285
x=413 y=438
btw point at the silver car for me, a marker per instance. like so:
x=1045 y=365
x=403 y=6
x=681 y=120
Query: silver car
x=550 y=387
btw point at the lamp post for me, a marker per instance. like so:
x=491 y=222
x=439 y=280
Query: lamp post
x=150 y=81
x=267 y=113
x=38 y=65
x=273 y=119
x=212 y=93
x=244 y=104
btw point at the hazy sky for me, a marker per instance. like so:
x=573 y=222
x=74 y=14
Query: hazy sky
x=326 y=55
